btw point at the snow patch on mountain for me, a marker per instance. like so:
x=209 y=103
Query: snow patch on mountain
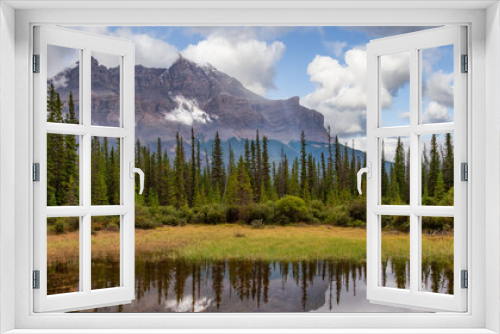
x=187 y=112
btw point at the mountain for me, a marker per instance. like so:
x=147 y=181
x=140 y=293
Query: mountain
x=187 y=94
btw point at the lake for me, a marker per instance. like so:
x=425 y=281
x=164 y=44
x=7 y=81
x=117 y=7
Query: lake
x=164 y=285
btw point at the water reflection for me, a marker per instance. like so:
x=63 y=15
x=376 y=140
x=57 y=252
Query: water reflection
x=164 y=285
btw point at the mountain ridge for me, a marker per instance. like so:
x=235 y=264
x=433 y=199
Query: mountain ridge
x=185 y=95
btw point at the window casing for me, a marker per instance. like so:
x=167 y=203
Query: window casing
x=475 y=317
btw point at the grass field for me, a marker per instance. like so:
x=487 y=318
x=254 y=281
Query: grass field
x=241 y=242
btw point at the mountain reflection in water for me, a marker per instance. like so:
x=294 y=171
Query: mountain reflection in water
x=256 y=286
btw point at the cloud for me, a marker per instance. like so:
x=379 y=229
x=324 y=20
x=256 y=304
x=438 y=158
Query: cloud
x=241 y=52
x=436 y=113
x=250 y=61
x=340 y=93
x=187 y=305
x=60 y=59
x=149 y=50
x=405 y=115
x=187 y=112
x=439 y=88
x=235 y=34
x=336 y=48
x=390 y=145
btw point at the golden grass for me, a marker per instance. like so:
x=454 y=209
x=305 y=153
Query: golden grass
x=272 y=243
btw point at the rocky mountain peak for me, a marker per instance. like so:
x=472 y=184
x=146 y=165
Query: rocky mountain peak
x=188 y=95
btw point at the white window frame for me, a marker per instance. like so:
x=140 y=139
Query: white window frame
x=124 y=50
x=413 y=43
x=483 y=119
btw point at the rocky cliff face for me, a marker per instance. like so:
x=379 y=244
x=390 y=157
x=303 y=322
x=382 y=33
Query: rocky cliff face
x=190 y=95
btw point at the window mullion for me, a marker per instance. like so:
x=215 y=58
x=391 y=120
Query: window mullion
x=414 y=187
x=85 y=115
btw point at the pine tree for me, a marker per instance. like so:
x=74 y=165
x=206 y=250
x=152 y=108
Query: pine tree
x=239 y=190
x=338 y=165
x=399 y=170
x=232 y=165
x=71 y=188
x=113 y=184
x=345 y=170
x=384 y=176
x=193 y=182
x=179 y=189
x=258 y=173
x=218 y=173
x=303 y=166
x=448 y=163
x=99 y=192
x=159 y=172
x=353 y=171
x=266 y=177
x=247 y=155
x=433 y=167
x=439 y=191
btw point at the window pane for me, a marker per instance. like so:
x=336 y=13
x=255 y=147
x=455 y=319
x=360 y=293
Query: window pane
x=395 y=252
x=105 y=89
x=395 y=89
x=437 y=172
x=437 y=84
x=105 y=252
x=395 y=170
x=63 y=255
x=63 y=170
x=437 y=254
x=105 y=171
x=63 y=84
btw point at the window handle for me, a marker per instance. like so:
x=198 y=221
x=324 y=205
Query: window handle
x=368 y=171
x=134 y=170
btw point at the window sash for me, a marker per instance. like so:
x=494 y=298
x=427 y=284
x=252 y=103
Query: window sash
x=86 y=43
x=414 y=297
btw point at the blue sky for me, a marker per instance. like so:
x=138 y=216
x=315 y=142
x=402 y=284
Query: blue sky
x=324 y=66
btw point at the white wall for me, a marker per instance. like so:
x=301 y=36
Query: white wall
x=492 y=163
x=7 y=157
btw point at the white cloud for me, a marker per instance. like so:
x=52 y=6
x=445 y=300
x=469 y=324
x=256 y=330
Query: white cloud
x=238 y=51
x=187 y=112
x=405 y=115
x=390 y=145
x=336 y=48
x=250 y=61
x=149 y=50
x=340 y=94
x=439 y=87
x=60 y=59
x=186 y=304
x=436 y=113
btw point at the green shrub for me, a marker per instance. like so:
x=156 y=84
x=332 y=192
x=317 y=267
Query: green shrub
x=253 y=212
x=232 y=213
x=60 y=226
x=339 y=217
x=112 y=227
x=357 y=210
x=292 y=208
x=210 y=214
x=216 y=215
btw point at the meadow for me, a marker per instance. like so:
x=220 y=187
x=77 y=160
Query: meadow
x=298 y=242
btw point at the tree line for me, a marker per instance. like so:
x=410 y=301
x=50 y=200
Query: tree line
x=191 y=178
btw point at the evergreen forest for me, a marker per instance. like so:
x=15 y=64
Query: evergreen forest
x=191 y=186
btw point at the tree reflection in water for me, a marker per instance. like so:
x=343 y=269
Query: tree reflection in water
x=165 y=285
